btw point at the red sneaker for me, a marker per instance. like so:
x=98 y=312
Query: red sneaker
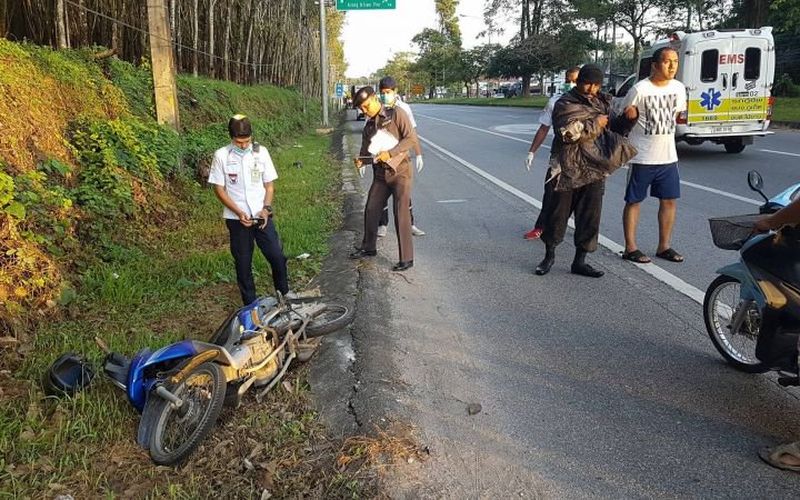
x=534 y=233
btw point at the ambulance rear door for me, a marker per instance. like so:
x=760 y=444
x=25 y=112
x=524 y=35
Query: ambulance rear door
x=708 y=82
x=751 y=76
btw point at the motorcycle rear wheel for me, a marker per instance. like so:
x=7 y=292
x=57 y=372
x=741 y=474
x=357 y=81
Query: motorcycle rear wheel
x=738 y=348
x=177 y=433
x=329 y=319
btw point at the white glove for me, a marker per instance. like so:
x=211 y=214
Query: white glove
x=361 y=170
x=420 y=164
x=529 y=161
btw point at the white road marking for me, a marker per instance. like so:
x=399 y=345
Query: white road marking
x=528 y=129
x=452 y=201
x=723 y=193
x=779 y=152
x=652 y=269
x=478 y=129
x=685 y=183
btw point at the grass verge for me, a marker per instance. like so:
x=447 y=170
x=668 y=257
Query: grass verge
x=521 y=102
x=787 y=109
x=180 y=284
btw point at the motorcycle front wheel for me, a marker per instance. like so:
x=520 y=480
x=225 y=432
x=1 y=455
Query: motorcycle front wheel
x=178 y=431
x=329 y=319
x=722 y=301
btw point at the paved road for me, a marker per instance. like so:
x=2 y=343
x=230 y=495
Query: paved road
x=589 y=388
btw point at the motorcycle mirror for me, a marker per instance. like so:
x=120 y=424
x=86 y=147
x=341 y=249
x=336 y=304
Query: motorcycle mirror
x=756 y=183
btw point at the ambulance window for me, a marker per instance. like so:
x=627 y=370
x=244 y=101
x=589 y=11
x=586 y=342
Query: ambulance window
x=752 y=63
x=709 y=65
x=644 y=67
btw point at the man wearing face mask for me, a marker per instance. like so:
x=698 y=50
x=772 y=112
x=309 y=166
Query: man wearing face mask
x=545 y=122
x=387 y=89
x=392 y=173
x=242 y=174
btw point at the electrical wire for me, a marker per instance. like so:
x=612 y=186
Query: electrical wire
x=176 y=44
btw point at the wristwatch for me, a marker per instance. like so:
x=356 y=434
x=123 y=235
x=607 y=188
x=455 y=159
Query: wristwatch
x=268 y=208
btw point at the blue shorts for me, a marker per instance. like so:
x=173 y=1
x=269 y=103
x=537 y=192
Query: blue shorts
x=663 y=181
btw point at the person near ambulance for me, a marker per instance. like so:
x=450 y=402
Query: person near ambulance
x=242 y=174
x=545 y=123
x=654 y=103
x=387 y=88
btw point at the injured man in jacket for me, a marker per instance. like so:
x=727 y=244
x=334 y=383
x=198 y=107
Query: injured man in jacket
x=588 y=147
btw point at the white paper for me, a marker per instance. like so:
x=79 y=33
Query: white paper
x=382 y=141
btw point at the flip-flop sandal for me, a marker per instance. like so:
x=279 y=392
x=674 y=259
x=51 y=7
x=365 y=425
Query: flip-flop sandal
x=636 y=256
x=670 y=255
x=772 y=456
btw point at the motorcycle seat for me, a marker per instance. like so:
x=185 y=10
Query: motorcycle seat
x=227 y=330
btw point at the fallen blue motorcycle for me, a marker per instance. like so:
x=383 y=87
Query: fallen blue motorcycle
x=180 y=389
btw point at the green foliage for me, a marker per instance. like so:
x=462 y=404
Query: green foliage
x=787 y=110
x=136 y=82
x=544 y=52
x=785 y=87
x=439 y=58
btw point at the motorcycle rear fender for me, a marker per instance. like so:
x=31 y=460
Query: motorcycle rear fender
x=749 y=287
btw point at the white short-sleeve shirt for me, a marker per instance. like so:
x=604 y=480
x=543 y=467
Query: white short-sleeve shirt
x=546 y=116
x=653 y=136
x=405 y=107
x=243 y=177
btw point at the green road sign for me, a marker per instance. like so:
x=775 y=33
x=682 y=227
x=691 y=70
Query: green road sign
x=365 y=4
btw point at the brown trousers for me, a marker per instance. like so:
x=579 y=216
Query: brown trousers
x=398 y=186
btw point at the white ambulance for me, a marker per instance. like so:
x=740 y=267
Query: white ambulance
x=728 y=76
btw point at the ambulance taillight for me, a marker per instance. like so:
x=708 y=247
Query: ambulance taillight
x=770 y=105
x=682 y=118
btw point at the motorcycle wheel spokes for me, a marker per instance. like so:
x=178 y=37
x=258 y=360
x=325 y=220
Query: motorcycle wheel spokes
x=721 y=305
x=180 y=430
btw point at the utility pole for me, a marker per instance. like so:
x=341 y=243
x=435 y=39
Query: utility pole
x=166 y=94
x=323 y=61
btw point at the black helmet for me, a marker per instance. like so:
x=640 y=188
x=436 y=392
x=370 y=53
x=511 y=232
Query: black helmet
x=67 y=375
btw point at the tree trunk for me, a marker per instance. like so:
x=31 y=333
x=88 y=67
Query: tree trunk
x=526 y=85
x=226 y=50
x=523 y=20
x=196 y=37
x=211 y=37
x=61 y=25
x=248 y=44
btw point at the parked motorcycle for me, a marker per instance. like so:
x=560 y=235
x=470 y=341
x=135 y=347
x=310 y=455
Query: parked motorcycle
x=752 y=309
x=180 y=389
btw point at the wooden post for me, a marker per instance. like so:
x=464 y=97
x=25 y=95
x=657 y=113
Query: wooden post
x=166 y=94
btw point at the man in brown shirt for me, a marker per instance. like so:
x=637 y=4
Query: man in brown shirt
x=392 y=175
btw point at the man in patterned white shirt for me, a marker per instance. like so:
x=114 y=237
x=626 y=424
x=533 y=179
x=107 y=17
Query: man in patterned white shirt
x=654 y=103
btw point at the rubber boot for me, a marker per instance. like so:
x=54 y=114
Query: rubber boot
x=579 y=266
x=546 y=263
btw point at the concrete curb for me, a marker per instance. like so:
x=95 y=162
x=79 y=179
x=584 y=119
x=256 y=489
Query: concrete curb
x=331 y=374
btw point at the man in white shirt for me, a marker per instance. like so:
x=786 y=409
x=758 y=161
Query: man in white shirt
x=545 y=122
x=387 y=88
x=242 y=174
x=655 y=104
